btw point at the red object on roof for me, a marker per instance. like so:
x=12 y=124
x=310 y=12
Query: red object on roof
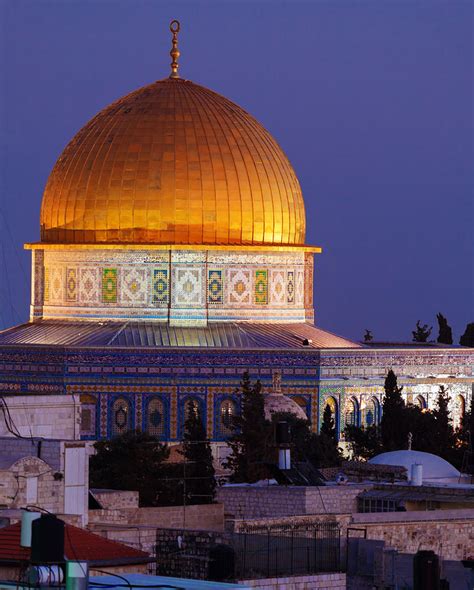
x=79 y=545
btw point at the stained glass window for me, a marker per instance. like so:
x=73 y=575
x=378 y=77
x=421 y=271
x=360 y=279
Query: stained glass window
x=352 y=411
x=227 y=412
x=121 y=416
x=155 y=423
x=88 y=415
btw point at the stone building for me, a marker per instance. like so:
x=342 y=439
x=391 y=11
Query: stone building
x=172 y=259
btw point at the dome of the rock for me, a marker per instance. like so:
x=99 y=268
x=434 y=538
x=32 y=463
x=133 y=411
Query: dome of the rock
x=173 y=163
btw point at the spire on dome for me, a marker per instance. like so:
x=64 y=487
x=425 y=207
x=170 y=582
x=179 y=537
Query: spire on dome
x=174 y=28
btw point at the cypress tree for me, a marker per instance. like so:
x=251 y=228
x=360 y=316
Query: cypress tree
x=443 y=437
x=199 y=475
x=422 y=333
x=467 y=339
x=250 y=443
x=328 y=427
x=445 y=335
x=392 y=426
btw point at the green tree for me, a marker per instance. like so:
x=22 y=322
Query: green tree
x=445 y=335
x=364 y=441
x=328 y=426
x=422 y=333
x=443 y=435
x=467 y=339
x=131 y=461
x=368 y=337
x=319 y=449
x=198 y=471
x=252 y=440
x=393 y=429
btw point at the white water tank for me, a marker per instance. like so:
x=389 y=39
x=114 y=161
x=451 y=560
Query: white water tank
x=27 y=518
x=416 y=478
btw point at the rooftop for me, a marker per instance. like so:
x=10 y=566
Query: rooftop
x=79 y=544
x=137 y=334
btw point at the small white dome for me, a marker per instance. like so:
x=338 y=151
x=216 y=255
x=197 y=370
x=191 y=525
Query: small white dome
x=434 y=468
x=276 y=403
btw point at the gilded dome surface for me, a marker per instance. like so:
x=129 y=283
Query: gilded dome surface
x=173 y=163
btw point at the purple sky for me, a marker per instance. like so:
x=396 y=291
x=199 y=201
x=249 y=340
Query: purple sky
x=370 y=100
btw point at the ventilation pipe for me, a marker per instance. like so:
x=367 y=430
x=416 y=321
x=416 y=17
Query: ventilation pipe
x=416 y=478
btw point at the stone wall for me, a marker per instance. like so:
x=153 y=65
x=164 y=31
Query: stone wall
x=198 y=516
x=270 y=501
x=310 y=582
x=31 y=482
x=185 y=554
x=449 y=533
x=46 y=416
x=137 y=527
x=116 y=499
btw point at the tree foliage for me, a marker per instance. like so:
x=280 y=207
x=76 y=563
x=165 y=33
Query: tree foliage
x=393 y=430
x=319 y=449
x=364 y=441
x=253 y=436
x=368 y=336
x=131 y=461
x=422 y=332
x=328 y=426
x=467 y=339
x=445 y=334
x=198 y=471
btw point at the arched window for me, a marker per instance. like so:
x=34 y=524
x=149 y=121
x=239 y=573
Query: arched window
x=371 y=413
x=155 y=417
x=191 y=406
x=420 y=402
x=121 y=416
x=228 y=410
x=88 y=415
x=352 y=413
x=332 y=404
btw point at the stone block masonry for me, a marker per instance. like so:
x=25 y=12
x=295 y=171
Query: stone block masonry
x=271 y=501
x=310 y=582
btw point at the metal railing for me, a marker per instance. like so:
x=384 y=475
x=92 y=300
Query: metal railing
x=285 y=550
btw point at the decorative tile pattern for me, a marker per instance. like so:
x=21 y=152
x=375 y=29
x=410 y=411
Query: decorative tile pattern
x=47 y=283
x=71 y=284
x=188 y=285
x=299 y=287
x=109 y=285
x=290 y=286
x=89 y=285
x=160 y=286
x=277 y=287
x=239 y=286
x=261 y=287
x=215 y=287
x=143 y=284
x=103 y=416
x=133 y=285
x=56 y=284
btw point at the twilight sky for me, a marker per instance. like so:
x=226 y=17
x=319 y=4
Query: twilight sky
x=371 y=100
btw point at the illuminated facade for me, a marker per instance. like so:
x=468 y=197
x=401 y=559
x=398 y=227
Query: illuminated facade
x=173 y=258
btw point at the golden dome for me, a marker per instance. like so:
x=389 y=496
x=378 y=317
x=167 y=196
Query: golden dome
x=173 y=163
